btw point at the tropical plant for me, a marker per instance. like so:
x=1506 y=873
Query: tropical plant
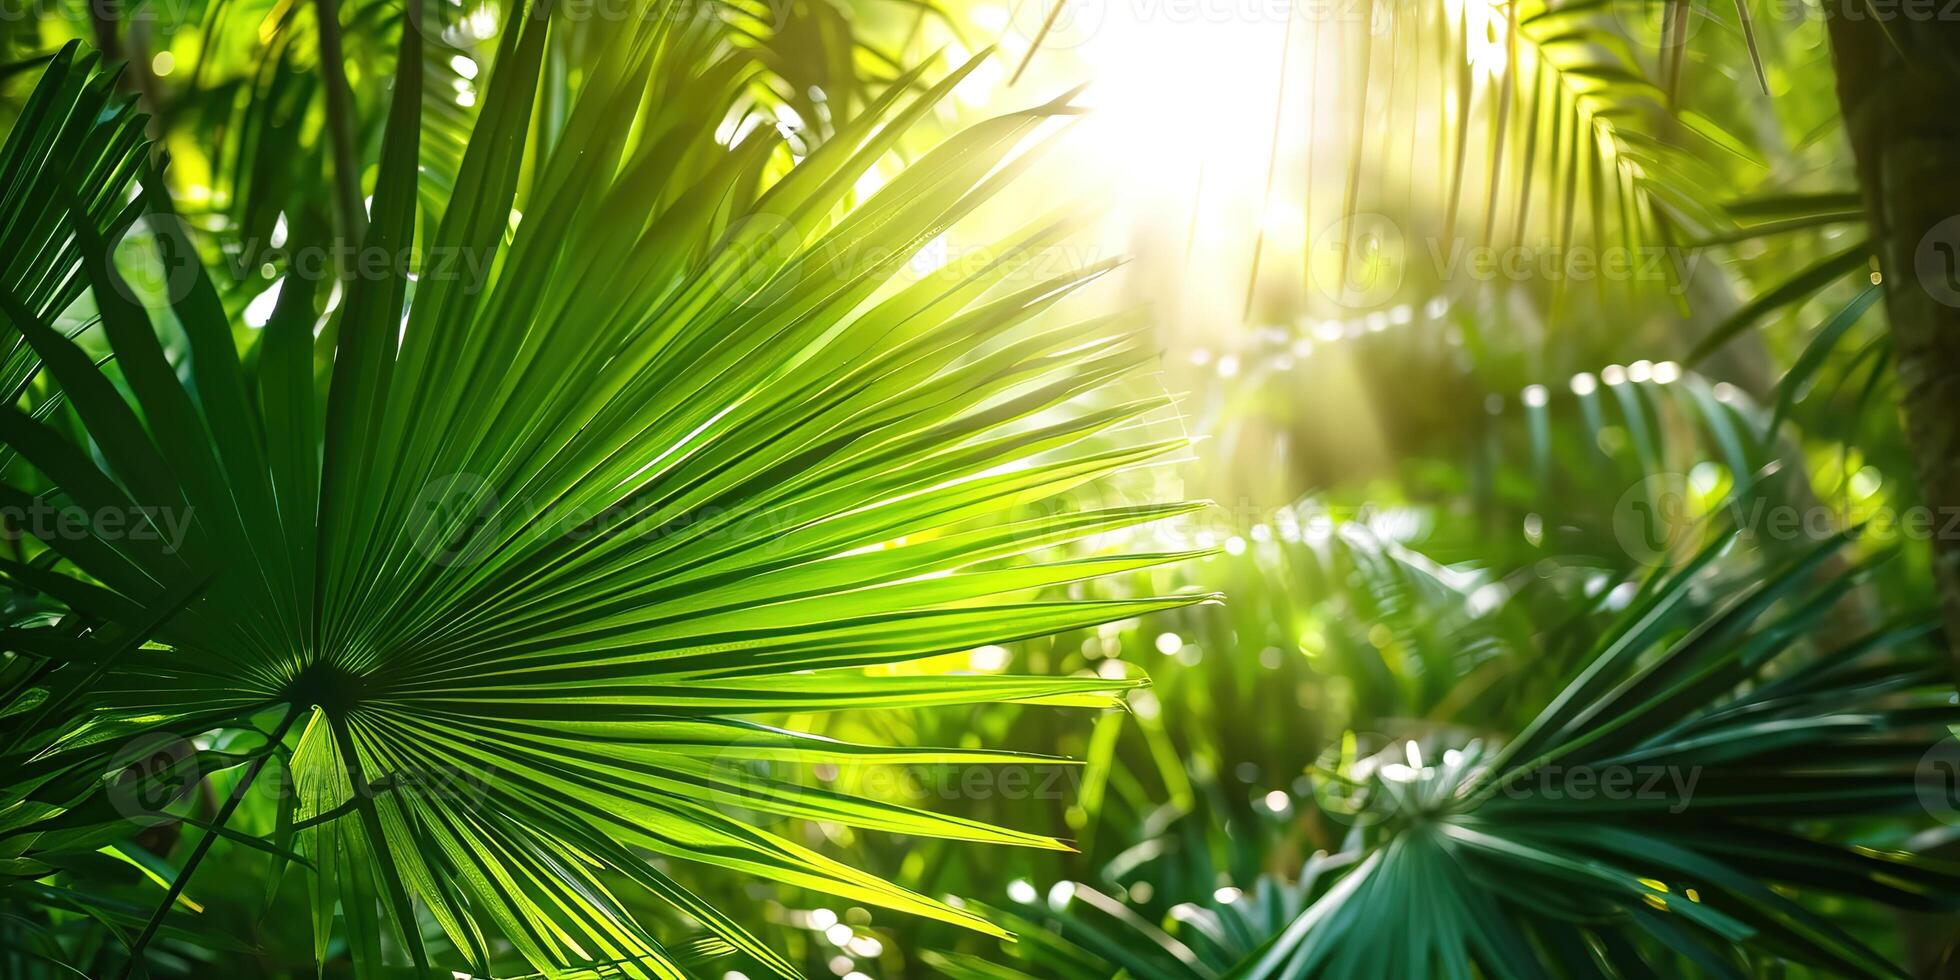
x=650 y=478
x=288 y=97
x=1542 y=128
x=490 y=597
x=1651 y=816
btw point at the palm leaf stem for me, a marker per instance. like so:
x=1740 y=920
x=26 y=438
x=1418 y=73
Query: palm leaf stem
x=204 y=843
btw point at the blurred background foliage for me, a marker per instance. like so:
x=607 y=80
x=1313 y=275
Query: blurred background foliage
x=1445 y=456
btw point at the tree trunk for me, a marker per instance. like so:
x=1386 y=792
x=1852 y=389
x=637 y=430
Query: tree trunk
x=137 y=77
x=1898 y=80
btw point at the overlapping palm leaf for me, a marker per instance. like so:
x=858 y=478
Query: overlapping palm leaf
x=1523 y=860
x=74 y=127
x=694 y=452
x=281 y=104
x=1183 y=927
x=1517 y=124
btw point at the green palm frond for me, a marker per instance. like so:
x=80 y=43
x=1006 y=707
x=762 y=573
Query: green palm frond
x=281 y=128
x=1076 y=931
x=1659 y=813
x=1516 y=124
x=1190 y=816
x=283 y=103
x=696 y=452
x=76 y=140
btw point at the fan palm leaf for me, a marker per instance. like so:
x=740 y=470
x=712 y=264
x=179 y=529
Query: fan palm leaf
x=694 y=453
x=1657 y=807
